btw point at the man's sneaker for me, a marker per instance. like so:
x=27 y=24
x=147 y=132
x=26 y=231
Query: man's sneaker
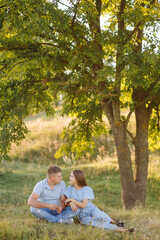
x=67 y=221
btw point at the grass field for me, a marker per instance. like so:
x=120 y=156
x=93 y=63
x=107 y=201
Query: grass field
x=30 y=161
x=44 y=139
x=18 y=179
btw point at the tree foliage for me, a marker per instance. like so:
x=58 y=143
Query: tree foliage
x=48 y=52
x=62 y=50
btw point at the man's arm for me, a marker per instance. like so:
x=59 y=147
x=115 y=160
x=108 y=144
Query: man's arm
x=62 y=206
x=63 y=199
x=32 y=201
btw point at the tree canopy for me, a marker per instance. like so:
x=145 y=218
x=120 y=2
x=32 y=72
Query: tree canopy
x=48 y=52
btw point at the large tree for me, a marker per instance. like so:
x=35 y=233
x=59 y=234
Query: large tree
x=47 y=52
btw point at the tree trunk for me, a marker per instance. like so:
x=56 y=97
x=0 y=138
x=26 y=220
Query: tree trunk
x=128 y=186
x=133 y=190
x=141 y=152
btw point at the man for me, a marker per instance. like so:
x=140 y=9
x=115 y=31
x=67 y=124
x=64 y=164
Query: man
x=47 y=199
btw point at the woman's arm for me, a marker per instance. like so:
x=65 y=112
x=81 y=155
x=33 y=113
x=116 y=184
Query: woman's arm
x=82 y=204
x=73 y=206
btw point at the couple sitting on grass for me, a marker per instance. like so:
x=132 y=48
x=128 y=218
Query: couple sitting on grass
x=75 y=201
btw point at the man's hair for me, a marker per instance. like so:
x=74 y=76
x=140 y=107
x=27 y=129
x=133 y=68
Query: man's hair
x=53 y=170
x=79 y=176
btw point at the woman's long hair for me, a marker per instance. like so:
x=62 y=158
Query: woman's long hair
x=79 y=176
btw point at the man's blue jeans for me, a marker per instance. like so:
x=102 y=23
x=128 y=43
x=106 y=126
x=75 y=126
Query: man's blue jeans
x=53 y=216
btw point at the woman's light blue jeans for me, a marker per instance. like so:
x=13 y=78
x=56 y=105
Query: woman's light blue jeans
x=53 y=216
x=96 y=218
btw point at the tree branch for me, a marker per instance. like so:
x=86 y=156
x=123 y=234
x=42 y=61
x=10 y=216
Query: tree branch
x=15 y=66
x=108 y=109
x=131 y=136
x=64 y=4
x=2 y=6
x=128 y=117
x=19 y=47
x=126 y=124
x=27 y=46
x=49 y=44
x=134 y=30
x=99 y=6
x=72 y=25
x=121 y=42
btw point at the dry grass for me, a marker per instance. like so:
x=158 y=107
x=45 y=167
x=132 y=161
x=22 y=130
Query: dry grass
x=44 y=140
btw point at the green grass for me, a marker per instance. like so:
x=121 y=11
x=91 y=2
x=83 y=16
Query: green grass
x=18 y=179
x=30 y=161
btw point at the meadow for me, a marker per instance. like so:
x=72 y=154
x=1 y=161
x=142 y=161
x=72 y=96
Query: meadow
x=29 y=165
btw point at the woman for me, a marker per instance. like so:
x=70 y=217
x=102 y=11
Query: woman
x=80 y=195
